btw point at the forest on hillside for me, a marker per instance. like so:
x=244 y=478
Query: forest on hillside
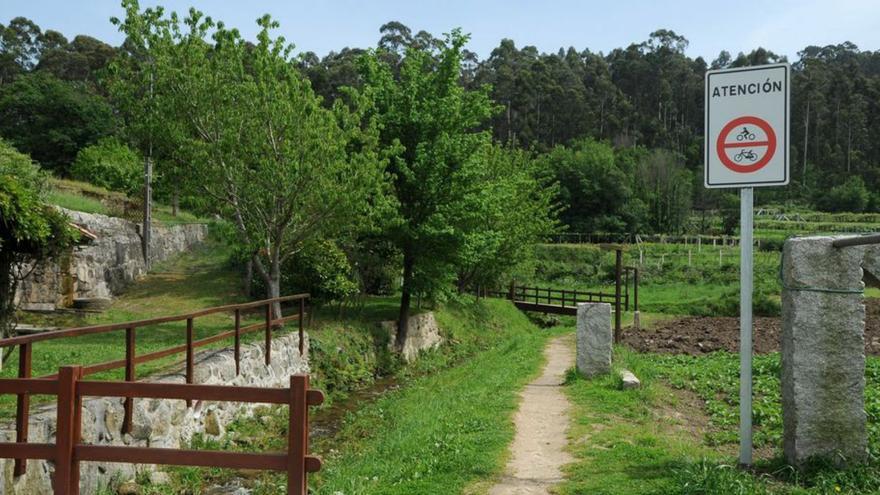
x=622 y=131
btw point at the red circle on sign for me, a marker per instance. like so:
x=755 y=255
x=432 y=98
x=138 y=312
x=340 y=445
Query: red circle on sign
x=721 y=145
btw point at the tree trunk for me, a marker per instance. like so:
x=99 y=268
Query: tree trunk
x=148 y=208
x=273 y=285
x=806 y=141
x=175 y=201
x=405 y=298
x=248 y=277
x=7 y=295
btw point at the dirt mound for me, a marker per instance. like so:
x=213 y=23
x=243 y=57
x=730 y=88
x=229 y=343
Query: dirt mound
x=701 y=335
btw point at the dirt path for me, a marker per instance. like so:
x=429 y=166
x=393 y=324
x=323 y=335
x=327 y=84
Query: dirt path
x=538 y=449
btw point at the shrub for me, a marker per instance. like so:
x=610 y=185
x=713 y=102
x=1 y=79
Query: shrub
x=110 y=164
x=851 y=196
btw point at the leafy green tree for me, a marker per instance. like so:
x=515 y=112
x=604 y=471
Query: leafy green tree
x=110 y=164
x=52 y=120
x=79 y=60
x=278 y=165
x=595 y=192
x=430 y=126
x=30 y=230
x=514 y=210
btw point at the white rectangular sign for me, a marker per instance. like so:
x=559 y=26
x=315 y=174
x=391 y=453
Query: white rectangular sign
x=747 y=114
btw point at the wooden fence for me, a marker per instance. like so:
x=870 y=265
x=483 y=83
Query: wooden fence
x=26 y=342
x=68 y=451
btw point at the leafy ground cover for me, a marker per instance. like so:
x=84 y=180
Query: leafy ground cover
x=677 y=434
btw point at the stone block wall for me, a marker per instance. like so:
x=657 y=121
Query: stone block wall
x=103 y=267
x=157 y=422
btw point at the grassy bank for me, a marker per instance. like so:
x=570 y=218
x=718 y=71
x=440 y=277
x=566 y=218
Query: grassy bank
x=445 y=428
x=678 y=433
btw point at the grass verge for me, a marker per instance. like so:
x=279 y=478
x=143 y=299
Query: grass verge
x=677 y=434
x=447 y=425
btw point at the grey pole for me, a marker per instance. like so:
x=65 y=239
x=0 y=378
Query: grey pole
x=745 y=326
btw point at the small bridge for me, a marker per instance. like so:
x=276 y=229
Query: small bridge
x=565 y=302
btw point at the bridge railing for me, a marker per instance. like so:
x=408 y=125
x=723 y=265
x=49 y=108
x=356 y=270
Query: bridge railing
x=67 y=452
x=25 y=347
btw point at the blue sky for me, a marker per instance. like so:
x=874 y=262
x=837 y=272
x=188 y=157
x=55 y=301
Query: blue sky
x=784 y=26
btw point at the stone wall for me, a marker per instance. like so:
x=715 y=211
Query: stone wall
x=423 y=333
x=103 y=267
x=157 y=423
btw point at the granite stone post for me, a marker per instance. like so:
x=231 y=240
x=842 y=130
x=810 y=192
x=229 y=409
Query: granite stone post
x=823 y=352
x=594 y=339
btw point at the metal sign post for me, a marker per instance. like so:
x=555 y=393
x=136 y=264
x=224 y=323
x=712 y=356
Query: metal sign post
x=746 y=282
x=746 y=144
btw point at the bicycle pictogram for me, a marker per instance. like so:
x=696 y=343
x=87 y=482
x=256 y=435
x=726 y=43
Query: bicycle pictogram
x=745 y=155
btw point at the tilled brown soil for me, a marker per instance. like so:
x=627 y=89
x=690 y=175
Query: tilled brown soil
x=701 y=335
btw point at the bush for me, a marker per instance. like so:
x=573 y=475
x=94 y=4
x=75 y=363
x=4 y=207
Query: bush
x=852 y=196
x=110 y=164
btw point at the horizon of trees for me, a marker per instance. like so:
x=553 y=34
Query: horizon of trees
x=646 y=96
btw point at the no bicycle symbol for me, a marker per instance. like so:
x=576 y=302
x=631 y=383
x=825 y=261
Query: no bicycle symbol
x=746 y=144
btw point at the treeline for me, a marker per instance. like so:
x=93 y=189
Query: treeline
x=647 y=96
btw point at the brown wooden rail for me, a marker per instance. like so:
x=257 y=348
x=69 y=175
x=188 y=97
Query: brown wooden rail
x=68 y=451
x=26 y=342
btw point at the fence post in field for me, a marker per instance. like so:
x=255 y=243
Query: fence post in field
x=128 y=405
x=22 y=406
x=689 y=258
x=617 y=280
x=636 y=322
x=66 y=480
x=512 y=290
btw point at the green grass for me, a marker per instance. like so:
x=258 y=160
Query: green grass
x=199 y=279
x=88 y=198
x=447 y=426
x=678 y=433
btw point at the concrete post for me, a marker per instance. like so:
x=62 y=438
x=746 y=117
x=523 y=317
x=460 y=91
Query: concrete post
x=594 y=339
x=823 y=352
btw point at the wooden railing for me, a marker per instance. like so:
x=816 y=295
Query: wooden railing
x=68 y=451
x=25 y=344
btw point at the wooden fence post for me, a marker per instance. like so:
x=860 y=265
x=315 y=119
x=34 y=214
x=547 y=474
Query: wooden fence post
x=22 y=406
x=128 y=405
x=66 y=480
x=617 y=306
x=297 y=436
x=237 y=341
x=190 y=357
x=268 y=334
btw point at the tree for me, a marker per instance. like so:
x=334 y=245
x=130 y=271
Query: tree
x=514 y=209
x=52 y=119
x=430 y=126
x=274 y=162
x=30 y=230
x=79 y=60
x=595 y=192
